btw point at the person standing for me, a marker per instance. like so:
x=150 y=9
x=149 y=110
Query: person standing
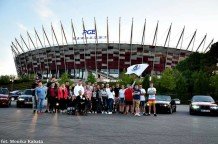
x=94 y=100
x=121 y=99
x=104 y=100
x=40 y=93
x=136 y=100
x=152 y=98
x=128 y=99
x=142 y=99
x=62 y=97
x=88 y=94
x=111 y=96
x=77 y=88
x=52 y=92
x=116 y=91
x=34 y=85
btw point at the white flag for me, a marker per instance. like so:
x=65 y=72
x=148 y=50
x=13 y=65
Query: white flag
x=137 y=69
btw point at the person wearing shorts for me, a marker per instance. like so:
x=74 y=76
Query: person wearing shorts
x=128 y=99
x=136 y=100
x=121 y=99
x=142 y=99
x=151 y=98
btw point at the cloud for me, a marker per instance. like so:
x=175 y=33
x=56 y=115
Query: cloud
x=43 y=10
x=22 y=27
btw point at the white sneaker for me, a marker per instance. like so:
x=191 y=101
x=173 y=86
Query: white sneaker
x=137 y=114
x=110 y=113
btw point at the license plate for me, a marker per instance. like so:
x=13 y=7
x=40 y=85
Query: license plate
x=205 y=110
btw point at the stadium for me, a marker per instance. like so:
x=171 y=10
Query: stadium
x=106 y=59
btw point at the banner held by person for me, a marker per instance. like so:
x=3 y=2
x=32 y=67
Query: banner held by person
x=137 y=69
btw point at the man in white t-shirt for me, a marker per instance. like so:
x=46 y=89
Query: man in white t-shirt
x=152 y=98
x=78 y=88
x=142 y=99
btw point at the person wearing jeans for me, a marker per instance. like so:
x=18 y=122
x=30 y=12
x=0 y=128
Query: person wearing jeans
x=40 y=93
x=111 y=96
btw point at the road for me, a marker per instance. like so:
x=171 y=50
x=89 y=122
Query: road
x=178 y=128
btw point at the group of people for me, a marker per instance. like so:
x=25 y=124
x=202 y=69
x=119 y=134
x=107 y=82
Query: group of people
x=94 y=98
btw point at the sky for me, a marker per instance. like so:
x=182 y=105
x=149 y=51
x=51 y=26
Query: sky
x=19 y=16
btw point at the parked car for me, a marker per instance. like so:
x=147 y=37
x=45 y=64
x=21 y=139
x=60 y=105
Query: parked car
x=15 y=94
x=4 y=97
x=177 y=101
x=202 y=104
x=25 y=99
x=164 y=104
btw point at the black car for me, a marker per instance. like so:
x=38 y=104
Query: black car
x=201 y=104
x=164 y=104
x=25 y=99
x=15 y=94
x=4 y=97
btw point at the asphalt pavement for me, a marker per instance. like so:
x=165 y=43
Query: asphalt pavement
x=20 y=125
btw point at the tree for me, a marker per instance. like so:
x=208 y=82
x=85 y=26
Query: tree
x=201 y=82
x=64 y=78
x=181 y=85
x=168 y=81
x=125 y=79
x=214 y=85
x=91 y=78
x=145 y=82
x=4 y=79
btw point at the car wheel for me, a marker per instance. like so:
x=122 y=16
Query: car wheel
x=170 y=111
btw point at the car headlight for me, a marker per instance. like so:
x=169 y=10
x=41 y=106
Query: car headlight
x=195 y=106
x=166 y=105
x=147 y=104
x=214 y=107
x=57 y=104
x=21 y=99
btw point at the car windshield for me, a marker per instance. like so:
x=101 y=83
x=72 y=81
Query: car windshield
x=3 y=91
x=202 y=99
x=27 y=92
x=163 y=98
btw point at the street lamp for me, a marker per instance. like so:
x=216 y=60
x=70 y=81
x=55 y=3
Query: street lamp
x=12 y=82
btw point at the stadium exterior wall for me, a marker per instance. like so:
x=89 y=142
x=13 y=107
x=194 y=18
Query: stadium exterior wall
x=97 y=57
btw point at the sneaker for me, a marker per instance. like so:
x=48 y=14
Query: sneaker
x=155 y=114
x=110 y=113
x=137 y=114
x=149 y=114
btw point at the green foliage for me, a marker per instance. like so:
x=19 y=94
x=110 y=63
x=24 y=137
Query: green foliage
x=168 y=81
x=4 y=79
x=181 y=85
x=125 y=79
x=145 y=82
x=64 y=78
x=214 y=85
x=201 y=82
x=91 y=78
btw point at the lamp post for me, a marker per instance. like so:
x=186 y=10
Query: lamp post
x=12 y=82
